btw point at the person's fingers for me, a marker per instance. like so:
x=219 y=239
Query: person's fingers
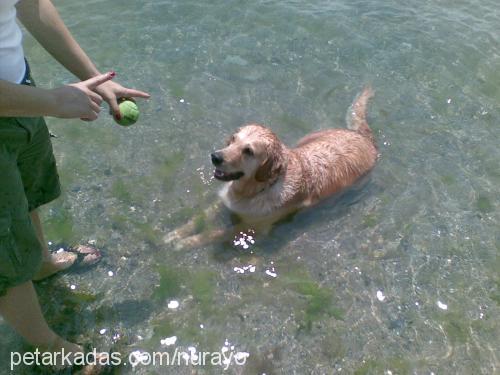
x=113 y=106
x=92 y=83
x=131 y=93
x=95 y=107
x=96 y=98
x=90 y=117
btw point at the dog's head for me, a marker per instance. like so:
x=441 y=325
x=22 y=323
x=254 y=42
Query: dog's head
x=253 y=152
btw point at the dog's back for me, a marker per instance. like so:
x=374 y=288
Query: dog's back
x=334 y=159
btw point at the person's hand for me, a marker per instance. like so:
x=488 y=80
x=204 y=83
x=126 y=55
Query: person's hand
x=110 y=91
x=79 y=100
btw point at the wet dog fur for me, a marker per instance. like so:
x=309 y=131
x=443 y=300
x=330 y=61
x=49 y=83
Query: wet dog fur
x=264 y=180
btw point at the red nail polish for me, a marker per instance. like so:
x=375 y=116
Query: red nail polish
x=112 y=73
x=118 y=116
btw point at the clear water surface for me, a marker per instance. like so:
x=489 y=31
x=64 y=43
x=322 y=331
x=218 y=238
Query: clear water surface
x=399 y=275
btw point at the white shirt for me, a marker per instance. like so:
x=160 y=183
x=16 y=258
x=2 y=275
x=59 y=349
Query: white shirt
x=12 y=66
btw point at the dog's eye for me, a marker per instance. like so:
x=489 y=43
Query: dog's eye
x=248 y=151
x=230 y=140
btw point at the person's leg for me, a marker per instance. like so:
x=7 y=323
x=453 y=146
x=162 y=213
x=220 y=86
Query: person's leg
x=21 y=309
x=21 y=249
x=52 y=263
x=40 y=181
x=35 y=219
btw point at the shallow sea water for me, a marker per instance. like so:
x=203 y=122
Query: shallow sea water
x=399 y=275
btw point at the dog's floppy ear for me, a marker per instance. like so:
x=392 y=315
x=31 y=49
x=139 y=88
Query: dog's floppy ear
x=271 y=167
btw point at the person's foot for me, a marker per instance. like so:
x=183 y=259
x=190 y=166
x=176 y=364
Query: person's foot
x=57 y=346
x=73 y=359
x=56 y=263
x=61 y=260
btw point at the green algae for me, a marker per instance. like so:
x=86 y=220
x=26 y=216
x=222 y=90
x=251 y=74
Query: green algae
x=146 y=232
x=59 y=225
x=447 y=179
x=370 y=220
x=483 y=204
x=202 y=286
x=456 y=326
x=168 y=167
x=396 y=365
x=120 y=191
x=169 y=283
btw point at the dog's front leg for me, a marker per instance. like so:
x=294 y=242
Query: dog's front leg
x=221 y=235
x=194 y=225
x=201 y=239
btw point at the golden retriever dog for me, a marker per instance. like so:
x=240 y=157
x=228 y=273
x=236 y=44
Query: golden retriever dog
x=264 y=180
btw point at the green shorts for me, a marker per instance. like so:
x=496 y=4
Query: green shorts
x=29 y=179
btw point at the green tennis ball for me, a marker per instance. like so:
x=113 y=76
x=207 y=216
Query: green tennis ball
x=129 y=113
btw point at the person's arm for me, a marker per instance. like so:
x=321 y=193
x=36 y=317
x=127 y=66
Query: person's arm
x=22 y=100
x=71 y=101
x=43 y=21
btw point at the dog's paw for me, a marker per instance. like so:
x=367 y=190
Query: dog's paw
x=173 y=236
x=183 y=245
x=188 y=243
x=179 y=245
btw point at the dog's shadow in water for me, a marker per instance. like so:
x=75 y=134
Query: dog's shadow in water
x=296 y=224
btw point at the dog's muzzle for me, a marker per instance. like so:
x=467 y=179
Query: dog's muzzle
x=217 y=158
x=225 y=176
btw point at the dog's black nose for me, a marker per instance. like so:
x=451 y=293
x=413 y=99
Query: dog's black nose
x=217 y=158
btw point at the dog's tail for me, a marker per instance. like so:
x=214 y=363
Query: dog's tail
x=356 y=114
